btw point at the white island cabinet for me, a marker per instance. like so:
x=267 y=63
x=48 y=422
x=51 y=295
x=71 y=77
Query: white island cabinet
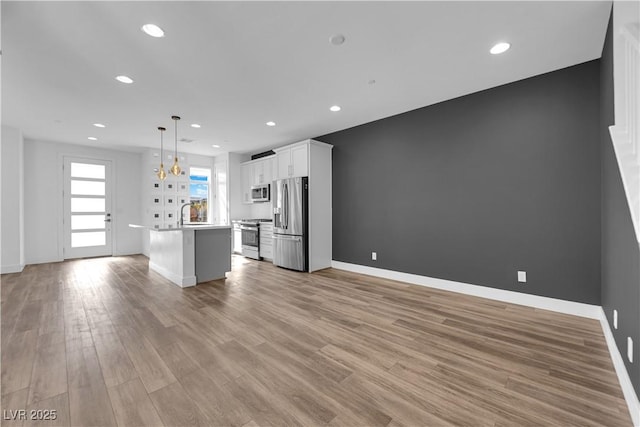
x=190 y=254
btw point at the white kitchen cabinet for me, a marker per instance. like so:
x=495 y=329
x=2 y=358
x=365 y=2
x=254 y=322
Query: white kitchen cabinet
x=261 y=171
x=256 y=172
x=237 y=239
x=257 y=169
x=267 y=171
x=292 y=160
x=283 y=164
x=266 y=240
x=247 y=176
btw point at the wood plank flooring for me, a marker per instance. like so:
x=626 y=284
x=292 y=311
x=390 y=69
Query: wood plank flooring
x=107 y=342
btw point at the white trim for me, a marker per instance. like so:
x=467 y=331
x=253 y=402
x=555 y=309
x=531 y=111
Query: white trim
x=545 y=303
x=15 y=268
x=183 y=282
x=43 y=260
x=623 y=376
x=127 y=253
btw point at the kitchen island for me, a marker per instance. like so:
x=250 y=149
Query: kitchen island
x=190 y=254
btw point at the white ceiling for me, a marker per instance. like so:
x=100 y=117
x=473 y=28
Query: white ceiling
x=232 y=66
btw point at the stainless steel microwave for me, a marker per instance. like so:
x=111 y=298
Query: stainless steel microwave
x=260 y=193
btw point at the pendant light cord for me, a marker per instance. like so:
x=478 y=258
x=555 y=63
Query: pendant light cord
x=175 y=169
x=161 y=173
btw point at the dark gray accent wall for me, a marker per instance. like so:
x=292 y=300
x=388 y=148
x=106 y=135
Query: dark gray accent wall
x=479 y=187
x=620 y=252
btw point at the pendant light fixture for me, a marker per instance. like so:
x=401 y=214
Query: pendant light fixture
x=161 y=173
x=175 y=169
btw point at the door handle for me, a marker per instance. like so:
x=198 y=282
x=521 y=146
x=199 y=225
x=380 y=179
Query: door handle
x=107 y=220
x=286 y=205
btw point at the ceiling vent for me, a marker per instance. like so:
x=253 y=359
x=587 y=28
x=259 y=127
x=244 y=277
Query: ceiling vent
x=187 y=140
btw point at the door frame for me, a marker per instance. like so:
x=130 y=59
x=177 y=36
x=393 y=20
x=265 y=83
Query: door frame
x=110 y=178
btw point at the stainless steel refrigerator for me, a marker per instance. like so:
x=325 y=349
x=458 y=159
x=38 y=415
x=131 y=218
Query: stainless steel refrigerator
x=290 y=223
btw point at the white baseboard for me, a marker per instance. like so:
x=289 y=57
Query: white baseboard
x=127 y=253
x=43 y=260
x=623 y=376
x=183 y=282
x=545 y=303
x=15 y=268
x=553 y=304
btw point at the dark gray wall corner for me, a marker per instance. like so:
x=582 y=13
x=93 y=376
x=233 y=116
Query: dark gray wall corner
x=620 y=252
x=479 y=187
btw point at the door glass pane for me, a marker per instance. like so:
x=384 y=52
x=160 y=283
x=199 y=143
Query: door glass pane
x=85 y=170
x=94 y=238
x=87 y=205
x=87 y=222
x=89 y=188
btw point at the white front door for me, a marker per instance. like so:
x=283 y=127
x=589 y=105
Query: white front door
x=87 y=208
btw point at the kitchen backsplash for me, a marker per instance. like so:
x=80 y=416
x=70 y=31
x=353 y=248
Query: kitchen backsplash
x=261 y=210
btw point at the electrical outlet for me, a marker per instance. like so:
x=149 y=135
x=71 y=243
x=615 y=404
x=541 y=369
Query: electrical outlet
x=374 y=256
x=615 y=319
x=522 y=276
x=630 y=349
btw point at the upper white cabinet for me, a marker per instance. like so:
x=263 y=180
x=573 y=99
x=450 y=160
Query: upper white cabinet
x=256 y=172
x=261 y=170
x=246 y=171
x=292 y=160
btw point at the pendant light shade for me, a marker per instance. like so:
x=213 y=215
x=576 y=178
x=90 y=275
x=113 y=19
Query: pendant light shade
x=175 y=169
x=161 y=173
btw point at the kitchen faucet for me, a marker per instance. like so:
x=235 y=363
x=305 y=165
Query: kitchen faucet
x=182 y=217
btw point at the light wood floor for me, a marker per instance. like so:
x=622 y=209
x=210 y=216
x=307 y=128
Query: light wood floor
x=107 y=342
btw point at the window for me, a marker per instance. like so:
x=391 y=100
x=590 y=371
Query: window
x=199 y=180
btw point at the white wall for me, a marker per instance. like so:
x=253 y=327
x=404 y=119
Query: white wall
x=12 y=252
x=237 y=209
x=43 y=185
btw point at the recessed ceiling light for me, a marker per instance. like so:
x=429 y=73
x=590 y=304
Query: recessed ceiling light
x=499 y=48
x=99 y=125
x=92 y=138
x=215 y=146
x=153 y=30
x=270 y=123
x=337 y=39
x=124 y=79
x=335 y=108
x=195 y=125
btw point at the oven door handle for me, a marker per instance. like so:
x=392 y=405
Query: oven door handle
x=244 y=227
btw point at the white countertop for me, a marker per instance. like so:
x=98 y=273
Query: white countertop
x=184 y=227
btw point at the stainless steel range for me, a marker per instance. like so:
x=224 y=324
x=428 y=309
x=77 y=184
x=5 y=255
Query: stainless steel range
x=250 y=229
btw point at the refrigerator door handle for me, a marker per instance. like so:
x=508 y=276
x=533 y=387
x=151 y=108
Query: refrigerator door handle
x=285 y=213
